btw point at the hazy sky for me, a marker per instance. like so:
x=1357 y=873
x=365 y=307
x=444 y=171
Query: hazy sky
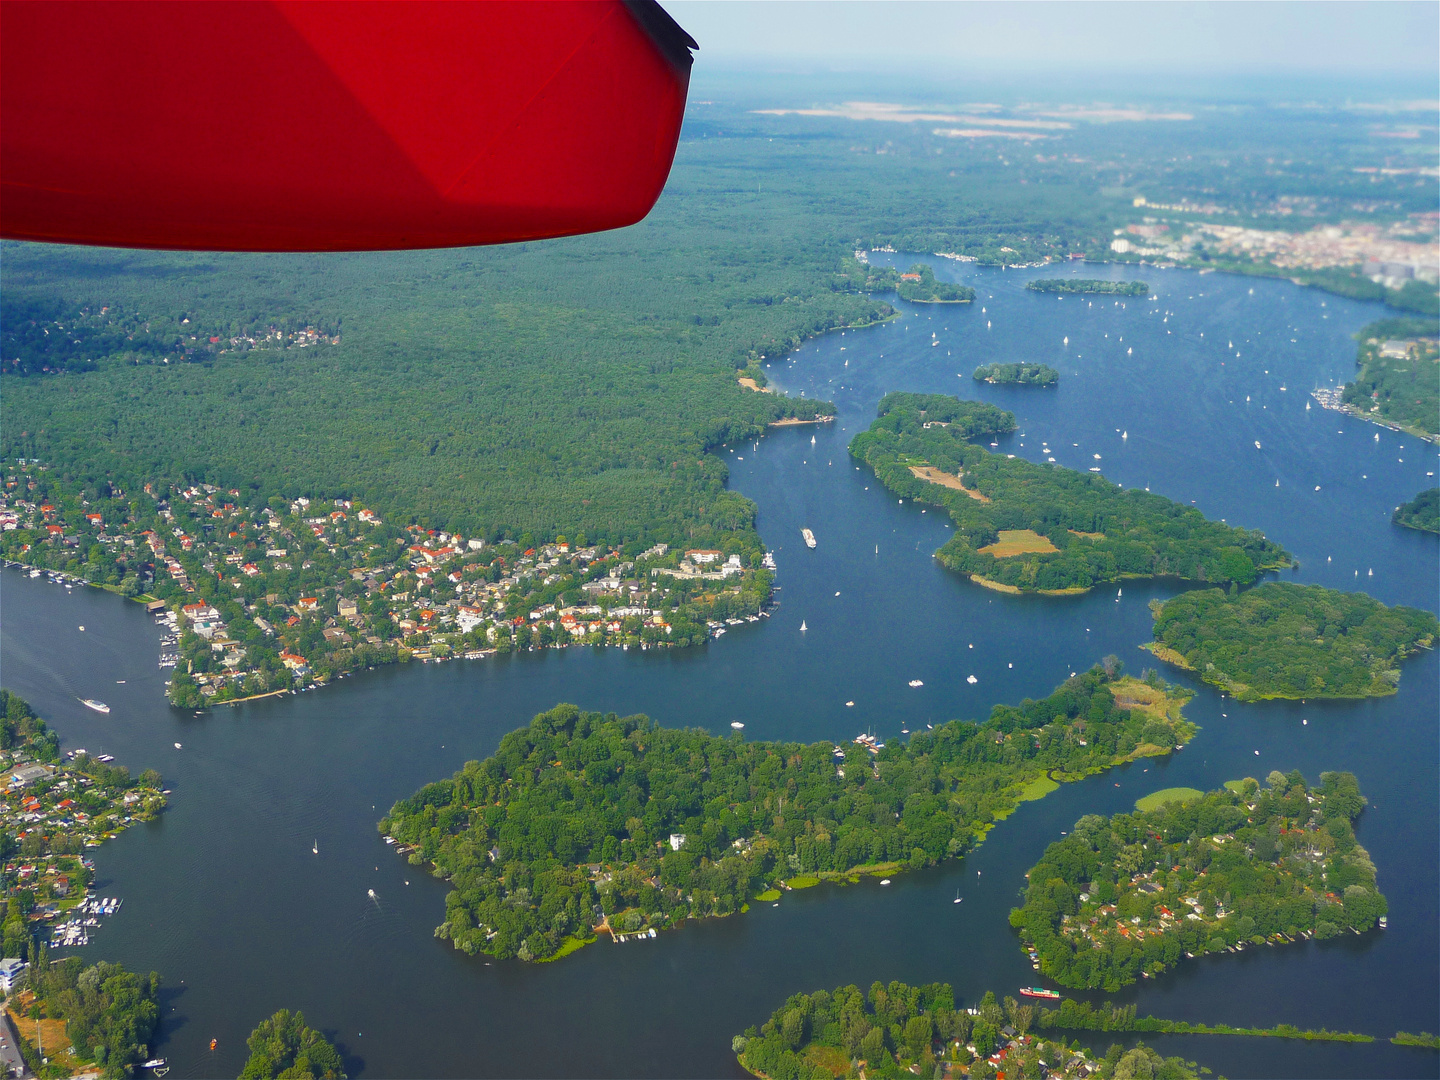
x=1365 y=39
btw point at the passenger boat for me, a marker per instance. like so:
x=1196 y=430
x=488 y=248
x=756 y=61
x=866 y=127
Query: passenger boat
x=98 y=706
x=809 y=537
x=1039 y=992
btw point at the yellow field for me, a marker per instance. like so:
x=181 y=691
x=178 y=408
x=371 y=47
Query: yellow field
x=944 y=479
x=1087 y=536
x=1019 y=542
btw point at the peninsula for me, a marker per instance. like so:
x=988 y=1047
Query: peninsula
x=1026 y=527
x=53 y=810
x=95 y=1020
x=1281 y=640
x=1019 y=374
x=1089 y=286
x=293 y=592
x=1398 y=378
x=900 y=1031
x=583 y=823
x=1421 y=512
x=1128 y=896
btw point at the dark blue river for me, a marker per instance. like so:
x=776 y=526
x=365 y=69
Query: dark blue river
x=224 y=897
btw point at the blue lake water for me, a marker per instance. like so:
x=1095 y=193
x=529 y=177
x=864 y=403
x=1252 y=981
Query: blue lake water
x=224 y=897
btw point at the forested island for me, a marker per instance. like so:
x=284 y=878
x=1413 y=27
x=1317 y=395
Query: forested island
x=900 y=1031
x=583 y=823
x=1020 y=374
x=1421 y=512
x=1023 y=527
x=108 y=1017
x=1245 y=865
x=1281 y=640
x=1398 y=381
x=1089 y=286
x=920 y=286
x=283 y=1047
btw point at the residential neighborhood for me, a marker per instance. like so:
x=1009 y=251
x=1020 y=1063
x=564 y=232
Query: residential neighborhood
x=255 y=600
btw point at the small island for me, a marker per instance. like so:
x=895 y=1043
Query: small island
x=920 y=286
x=1018 y=374
x=1089 y=286
x=283 y=1046
x=1027 y=527
x=1290 y=641
x=899 y=1031
x=1421 y=512
x=1129 y=896
x=584 y=824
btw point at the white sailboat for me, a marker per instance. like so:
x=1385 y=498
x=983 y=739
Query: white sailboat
x=315 y=847
x=802 y=626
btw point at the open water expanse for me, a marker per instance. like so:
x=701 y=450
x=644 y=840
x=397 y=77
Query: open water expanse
x=224 y=897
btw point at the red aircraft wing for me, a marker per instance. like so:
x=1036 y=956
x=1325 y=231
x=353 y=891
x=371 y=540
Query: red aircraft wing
x=274 y=125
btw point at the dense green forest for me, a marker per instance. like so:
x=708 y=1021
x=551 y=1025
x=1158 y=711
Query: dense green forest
x=1421 y=512
x=1073 y=1015
x=20 y=728
x=1241 y=866
x=110 y=1014
x=899 y=1031
x=570 y=386
x=1400 y=390
x=582 y=820
x=1070 y=286
x=282 y=1047
x=1291 y=641
x=1078 y=529
x=1017 y=374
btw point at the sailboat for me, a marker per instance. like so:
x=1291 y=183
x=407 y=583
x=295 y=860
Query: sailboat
x=958 y=897
x=315 y=847
x=812 y=440
x=802 y=626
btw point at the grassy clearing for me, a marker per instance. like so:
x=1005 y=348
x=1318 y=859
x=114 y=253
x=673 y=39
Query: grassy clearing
x=1038 y=789
x=1157 y=799
x=1132 y=694
x=568 y=946
x=1238 y=786
x=944 y=479
x=804 y=881
x=769 y=896
x=1014 y=542
x=829 y=1058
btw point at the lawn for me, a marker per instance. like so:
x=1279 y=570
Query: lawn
x=1158 y=799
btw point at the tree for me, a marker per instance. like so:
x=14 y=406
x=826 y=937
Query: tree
x=283 y=1048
